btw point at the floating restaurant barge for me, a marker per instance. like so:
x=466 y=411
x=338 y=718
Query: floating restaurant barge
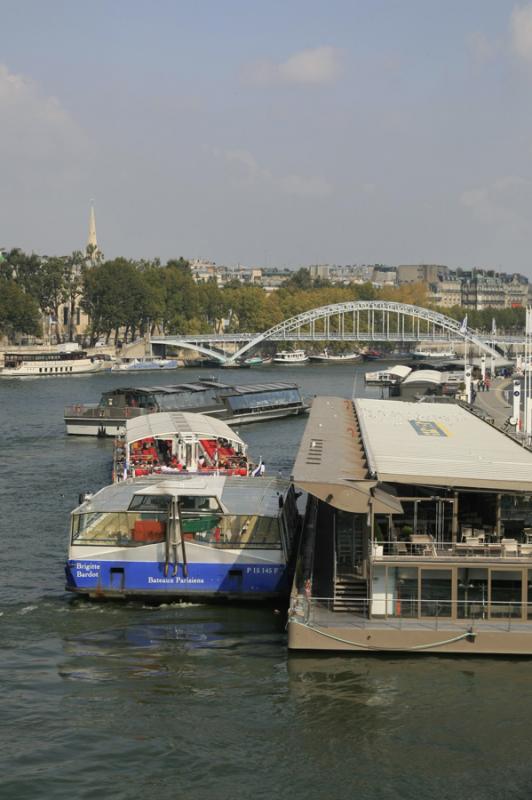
x=237 y=405
x=418 y=532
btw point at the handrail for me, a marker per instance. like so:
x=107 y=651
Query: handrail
x=393 y=549
x=451 y=612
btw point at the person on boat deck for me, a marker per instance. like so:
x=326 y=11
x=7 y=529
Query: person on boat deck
x=201 y=461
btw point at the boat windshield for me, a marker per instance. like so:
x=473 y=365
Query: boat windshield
x=261 y=400
x=202 y=524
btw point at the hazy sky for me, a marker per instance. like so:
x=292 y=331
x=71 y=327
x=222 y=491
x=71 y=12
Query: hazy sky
x=276 y=132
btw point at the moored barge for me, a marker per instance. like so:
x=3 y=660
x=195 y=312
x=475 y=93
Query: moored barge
x=239 y=404
x=418 y=536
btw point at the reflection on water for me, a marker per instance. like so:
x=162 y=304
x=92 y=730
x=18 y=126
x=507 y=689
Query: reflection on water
x=125 y=700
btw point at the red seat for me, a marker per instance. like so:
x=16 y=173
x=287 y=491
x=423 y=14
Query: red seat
x=148 y=530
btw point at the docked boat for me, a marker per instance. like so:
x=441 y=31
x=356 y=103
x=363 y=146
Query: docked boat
x=332 y=358
x=253 y=361
x=50 y=364
x=434 y=354
x=371 y=355
x=238 y=404
x=290 y=357
x=145 y=364
x=392 y=376
x=431 y=382
x=194 y=537
x=431 y=509
x=173 y=443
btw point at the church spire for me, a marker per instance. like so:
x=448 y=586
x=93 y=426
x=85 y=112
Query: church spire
x=92 y=243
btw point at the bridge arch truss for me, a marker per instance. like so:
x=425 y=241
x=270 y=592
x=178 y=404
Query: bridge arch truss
x=369 y=321
x=357 y=321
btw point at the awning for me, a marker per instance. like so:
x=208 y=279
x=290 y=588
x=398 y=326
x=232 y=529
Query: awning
x=331 y=462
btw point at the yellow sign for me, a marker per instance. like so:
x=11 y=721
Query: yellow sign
x=427 y=427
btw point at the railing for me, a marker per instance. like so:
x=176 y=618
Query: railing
x=432 y=549
x=395 y=612
x=94 y=411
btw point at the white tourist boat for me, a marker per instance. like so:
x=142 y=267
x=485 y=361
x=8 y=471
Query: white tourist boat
x=143 y=364
x=334 y=358
x=388 y=377
x=290 y=357
x=434 y=354
x=50 y=364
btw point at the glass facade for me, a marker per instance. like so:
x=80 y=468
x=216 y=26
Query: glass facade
x=436 y=592
x=262 y=400
x=458 y=592
x=505 y=600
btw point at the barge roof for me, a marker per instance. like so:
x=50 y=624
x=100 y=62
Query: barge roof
x=331 y=463
x=440 y=444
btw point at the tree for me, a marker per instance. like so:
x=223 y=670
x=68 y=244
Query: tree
x=19 y=312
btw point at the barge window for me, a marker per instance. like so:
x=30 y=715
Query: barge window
x=184 y=400
x=436 y=592
x=472 y=593
x=505 y=593
x=403 y=588
x=258 y=400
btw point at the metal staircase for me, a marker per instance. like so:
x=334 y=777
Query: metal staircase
x=350 y=594
x=350 y=588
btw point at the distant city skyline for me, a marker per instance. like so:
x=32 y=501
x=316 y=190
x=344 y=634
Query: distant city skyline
x=270 y=134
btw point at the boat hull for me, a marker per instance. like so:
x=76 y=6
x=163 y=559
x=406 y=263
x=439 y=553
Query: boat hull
x=53 y=370
x=243 y=580
x=101 y=426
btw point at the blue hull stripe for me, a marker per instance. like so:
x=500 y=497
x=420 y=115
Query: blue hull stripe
x=148 y=577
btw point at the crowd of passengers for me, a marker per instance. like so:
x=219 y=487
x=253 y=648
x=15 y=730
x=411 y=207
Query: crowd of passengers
x=153 y=456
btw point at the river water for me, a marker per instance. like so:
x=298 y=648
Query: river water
x=197 y=701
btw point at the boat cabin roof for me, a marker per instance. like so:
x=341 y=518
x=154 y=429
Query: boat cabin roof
x=171 y=423
x=237 y=495
x=442 y=444
x=225 y=389
x=351 y=452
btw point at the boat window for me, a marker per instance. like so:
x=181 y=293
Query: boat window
x=505 y=593
x=436 y=592
x=261 y=400
x=472 y=593
x=119 y=528
x=189 y=503
x=529 y=595
x=232 y=531
x=403 y=591
x=167 y=401
x=150 y=502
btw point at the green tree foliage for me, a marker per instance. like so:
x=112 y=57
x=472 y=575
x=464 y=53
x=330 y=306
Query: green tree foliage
x=19 y=312
x=131 y=298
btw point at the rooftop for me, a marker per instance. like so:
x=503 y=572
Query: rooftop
x=440 y=445
x=168 y=423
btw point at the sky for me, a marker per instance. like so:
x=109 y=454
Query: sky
x=276 y=133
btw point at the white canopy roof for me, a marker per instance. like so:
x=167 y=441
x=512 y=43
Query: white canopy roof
x=171 y=423
x=440 y=444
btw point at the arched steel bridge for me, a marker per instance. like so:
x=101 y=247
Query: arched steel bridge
x=356 y=321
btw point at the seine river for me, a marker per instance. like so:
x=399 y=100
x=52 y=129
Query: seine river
x=105 y=701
